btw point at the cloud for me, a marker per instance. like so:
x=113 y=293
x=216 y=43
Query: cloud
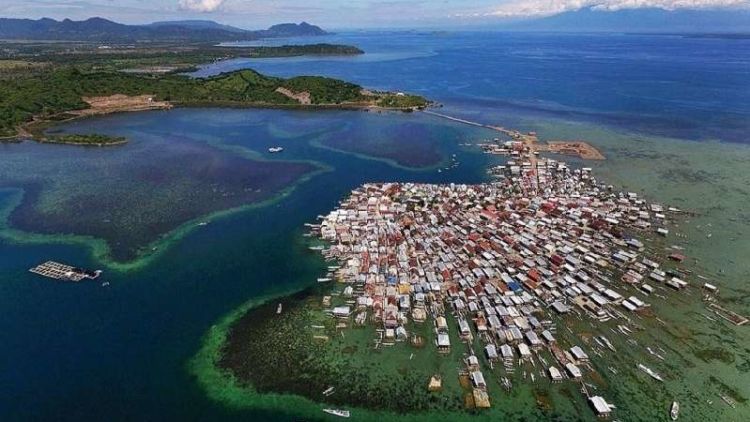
x=201 y=5
x=531 y=8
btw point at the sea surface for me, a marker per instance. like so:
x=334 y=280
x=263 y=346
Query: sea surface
x=671 y=114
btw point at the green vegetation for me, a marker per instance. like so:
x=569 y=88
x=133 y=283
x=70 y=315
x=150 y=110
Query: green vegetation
x=325 y=90
x=48 y=95
x=88 y=139
x=151 y=57
x=401 y=101
x=43 y=82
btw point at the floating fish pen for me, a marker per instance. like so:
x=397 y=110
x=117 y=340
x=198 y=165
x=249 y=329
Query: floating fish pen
x=58 y=271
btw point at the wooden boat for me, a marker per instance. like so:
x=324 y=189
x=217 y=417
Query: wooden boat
x=650 y=372
x=674 y=411
x=338 y=412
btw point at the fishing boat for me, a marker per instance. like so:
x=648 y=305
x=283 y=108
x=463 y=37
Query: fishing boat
x=649 y=371
x=273 y=150
x=608 y=343
x=506 y=383
x=729 y=401
x=674 y=411
x=338 y=412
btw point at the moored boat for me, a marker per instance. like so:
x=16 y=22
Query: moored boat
x=674 y=411
x=338 y=412
x=649 y=371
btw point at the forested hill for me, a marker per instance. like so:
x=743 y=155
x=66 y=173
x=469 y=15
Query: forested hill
x=49 y=95
x=103 y=30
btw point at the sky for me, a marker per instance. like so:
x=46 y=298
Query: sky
x=333 y=14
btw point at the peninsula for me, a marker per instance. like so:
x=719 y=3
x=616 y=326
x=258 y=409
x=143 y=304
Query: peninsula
x=30 y=105
x=97 y=68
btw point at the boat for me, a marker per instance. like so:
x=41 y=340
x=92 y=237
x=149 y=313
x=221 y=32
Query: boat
x=624 y=329
x=608 y=343
x=275 y=149
x=674 y=411
x=338 y=412
x=278 y=309
x=506 y=383
x=324 y=280
x=729 y=401
x=649 y=371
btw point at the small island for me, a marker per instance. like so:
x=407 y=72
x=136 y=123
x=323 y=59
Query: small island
x=86 y=140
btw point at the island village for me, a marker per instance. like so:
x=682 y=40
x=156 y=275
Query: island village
x=506 y=262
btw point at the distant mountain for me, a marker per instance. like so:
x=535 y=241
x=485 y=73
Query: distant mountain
x=103 y=30
x=640 y=20
x=197 y=24
x=303 y=29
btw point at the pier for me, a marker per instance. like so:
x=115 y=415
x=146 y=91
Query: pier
x=581 y=149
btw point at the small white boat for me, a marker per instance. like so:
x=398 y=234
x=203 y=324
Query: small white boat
x=674 y=411
x=729 y=401
x=324 y=280
x=338 y=412
x=273 y=150
x=649 y=371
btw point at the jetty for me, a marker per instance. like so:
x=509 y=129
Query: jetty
x=58 y=271
x=530 y=141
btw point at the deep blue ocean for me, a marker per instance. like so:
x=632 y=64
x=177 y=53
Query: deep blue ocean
x=85 y=352
x=689 y=88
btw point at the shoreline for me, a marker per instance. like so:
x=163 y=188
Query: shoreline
x=34 y=130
